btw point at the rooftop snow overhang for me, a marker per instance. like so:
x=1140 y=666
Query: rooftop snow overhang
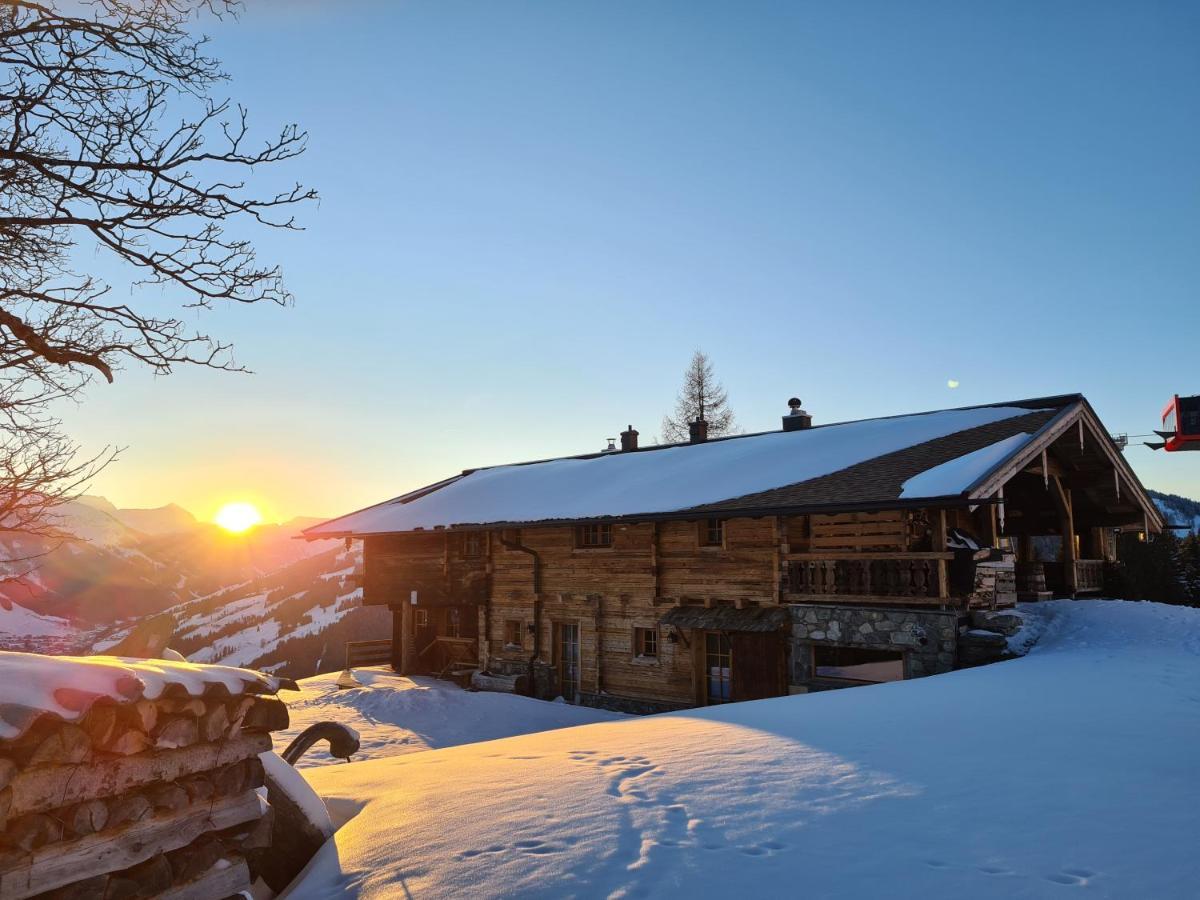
x=1081 y=417
x=849 y=466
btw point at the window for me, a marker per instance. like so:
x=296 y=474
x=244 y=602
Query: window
x=718 y=667
x=513 y=633
x=453 y=628
x=422 y=618
x=645 y=643
x=712 y=533
x=593 y=536
x=857 y=664
x=472 y=545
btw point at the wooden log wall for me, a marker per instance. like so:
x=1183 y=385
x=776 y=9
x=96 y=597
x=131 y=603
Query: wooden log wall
x=610 y=591
x=148 y=799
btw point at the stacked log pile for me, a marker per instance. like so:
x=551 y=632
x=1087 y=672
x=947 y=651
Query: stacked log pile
x=133 y=779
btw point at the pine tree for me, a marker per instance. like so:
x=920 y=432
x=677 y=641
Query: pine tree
x=1189 y=559
x=1152 y=570
x=701 y=397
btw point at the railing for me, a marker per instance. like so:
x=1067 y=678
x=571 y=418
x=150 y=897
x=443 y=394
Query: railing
x=368 y=653
x=916 y=577
x=1089 y=575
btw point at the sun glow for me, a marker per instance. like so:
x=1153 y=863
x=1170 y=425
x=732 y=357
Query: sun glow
x=238 y=517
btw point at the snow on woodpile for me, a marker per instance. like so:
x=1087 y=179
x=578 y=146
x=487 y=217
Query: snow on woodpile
x=658 y=480
x=1072 y=767
x=33 y=687
x=131 y=777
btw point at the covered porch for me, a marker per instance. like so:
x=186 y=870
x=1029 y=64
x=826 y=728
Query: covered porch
x=1060 y=506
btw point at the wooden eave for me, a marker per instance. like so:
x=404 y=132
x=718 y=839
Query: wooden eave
x=986 y=488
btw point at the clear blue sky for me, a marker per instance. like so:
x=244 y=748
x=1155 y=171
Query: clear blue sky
x=532 y=213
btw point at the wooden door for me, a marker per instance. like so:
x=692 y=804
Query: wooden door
x=424 y=634
x=566 y=653
x=760 y=668
x=718 y=667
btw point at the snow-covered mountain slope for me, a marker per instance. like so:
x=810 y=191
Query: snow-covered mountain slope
x=1178 y=510
x=169 y=519
x=394 y=714
x=1072 y=767
x=292 y=621
x=109 y=571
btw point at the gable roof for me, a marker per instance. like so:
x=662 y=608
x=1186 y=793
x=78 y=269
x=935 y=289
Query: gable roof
x=931 y=458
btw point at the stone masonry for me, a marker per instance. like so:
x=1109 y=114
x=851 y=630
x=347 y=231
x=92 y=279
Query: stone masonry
x=927 y=638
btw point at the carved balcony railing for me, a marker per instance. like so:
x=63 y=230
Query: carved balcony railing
x=894 y=577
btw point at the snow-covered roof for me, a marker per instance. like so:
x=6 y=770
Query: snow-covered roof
x=924 y=456
x=33 y=686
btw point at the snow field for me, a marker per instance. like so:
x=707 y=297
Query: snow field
x=1072 y=768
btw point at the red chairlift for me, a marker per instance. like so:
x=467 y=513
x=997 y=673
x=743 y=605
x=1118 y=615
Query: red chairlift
x=1181 y=425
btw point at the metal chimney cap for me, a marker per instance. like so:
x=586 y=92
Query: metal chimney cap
x=794 y=403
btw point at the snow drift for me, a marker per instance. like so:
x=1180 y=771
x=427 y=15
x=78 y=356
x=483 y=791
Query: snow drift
x=1074 y=766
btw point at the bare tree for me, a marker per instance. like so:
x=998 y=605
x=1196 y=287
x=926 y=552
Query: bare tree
x=111 y=143
x=701 y=397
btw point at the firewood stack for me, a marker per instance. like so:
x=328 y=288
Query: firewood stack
x=123 y=778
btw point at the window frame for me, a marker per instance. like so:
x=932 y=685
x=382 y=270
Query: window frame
x=472 y=545
x=593 y=536
x=640 y=633
x=519 y=644
x=817 y=676
x=705 y=532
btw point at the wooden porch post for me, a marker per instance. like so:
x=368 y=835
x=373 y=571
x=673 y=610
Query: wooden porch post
x=398 y=638
x=1066 y=518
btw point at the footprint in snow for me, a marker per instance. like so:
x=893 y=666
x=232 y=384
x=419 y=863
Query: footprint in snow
x=1071 y=877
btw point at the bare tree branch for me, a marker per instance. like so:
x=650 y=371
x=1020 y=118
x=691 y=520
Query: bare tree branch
x=111 y=141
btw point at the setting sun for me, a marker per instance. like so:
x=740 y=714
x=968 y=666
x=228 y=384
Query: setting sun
x=238 y=517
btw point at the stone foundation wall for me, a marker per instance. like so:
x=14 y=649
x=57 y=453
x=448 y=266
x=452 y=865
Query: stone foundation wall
x=928 y=638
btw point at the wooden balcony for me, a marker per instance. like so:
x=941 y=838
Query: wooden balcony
x=886 y=578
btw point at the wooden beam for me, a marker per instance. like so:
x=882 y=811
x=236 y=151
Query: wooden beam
x=1066 y=515
x=113 y=850
x=51 y=787
x=219 y=881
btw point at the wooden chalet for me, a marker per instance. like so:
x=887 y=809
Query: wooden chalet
x=652 y=578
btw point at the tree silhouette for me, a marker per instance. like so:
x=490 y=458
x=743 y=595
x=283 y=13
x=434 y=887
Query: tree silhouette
x=111 y=144
x=700 y=397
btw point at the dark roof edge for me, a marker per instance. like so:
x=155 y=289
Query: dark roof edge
x=403 y=498
x=756 y=512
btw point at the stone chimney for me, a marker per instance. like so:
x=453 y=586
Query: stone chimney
x=629 y=439
x=697 y=431
x=797 y=418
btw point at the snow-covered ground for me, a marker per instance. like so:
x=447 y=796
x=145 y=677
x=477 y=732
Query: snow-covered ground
x=1074 y=768
x=16 y=622
x=394 y=715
